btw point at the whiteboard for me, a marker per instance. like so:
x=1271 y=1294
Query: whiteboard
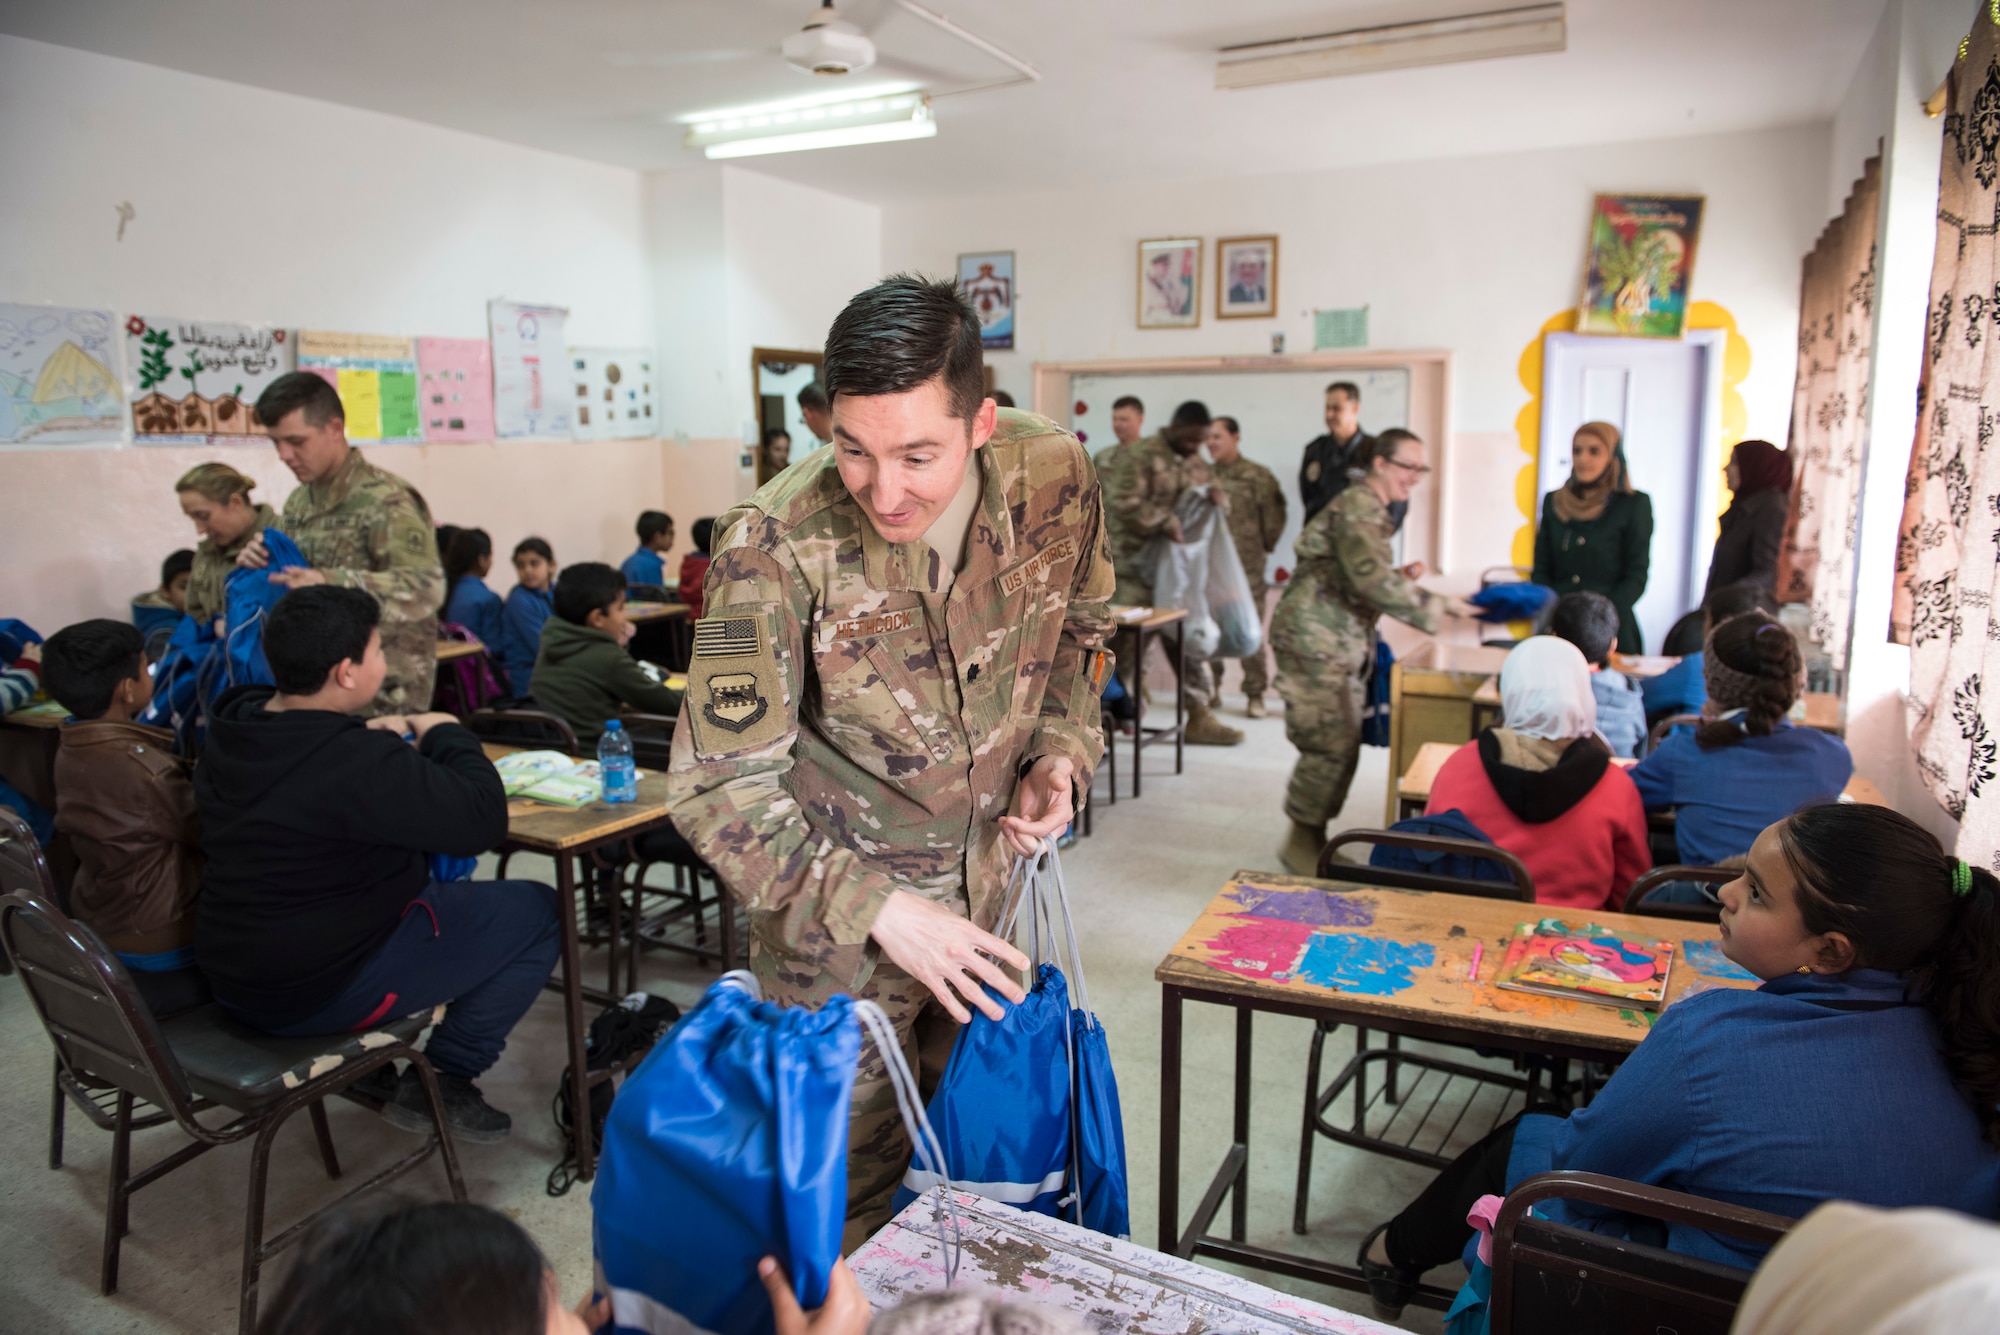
x=1281 y=411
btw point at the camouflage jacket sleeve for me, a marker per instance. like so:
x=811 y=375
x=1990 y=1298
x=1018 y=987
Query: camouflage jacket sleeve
x=1367 y=564
x=726 y=790
x=1072 y=718
x=403 y=571
x=1149 y=504
x=1270 y=510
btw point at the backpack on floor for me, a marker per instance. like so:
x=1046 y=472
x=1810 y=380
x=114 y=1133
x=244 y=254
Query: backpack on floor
x=622 y=1032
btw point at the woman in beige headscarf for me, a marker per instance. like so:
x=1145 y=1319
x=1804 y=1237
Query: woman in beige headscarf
x=1596 y=533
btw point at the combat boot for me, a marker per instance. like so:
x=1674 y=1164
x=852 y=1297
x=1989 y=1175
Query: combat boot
x=1253 y=707
x=1204 y=729
x=1302 y=846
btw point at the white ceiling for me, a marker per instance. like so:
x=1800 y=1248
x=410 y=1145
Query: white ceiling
x=1127 y=90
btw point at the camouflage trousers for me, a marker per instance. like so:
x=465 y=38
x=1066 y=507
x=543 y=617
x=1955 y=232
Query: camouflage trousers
x=1322 y=680
x=410 y=647
x=878 y=1146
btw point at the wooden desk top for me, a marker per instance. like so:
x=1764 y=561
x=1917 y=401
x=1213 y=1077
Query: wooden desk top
x=48 y=714
x=1823 y=711
x=553 y=829
x=639 y=612
x=1148 y=618
x=1643 y=665
x=447 y=650
x=1440 y=656
x=1416 y=783
x=1488 y=692
x=1405 y=953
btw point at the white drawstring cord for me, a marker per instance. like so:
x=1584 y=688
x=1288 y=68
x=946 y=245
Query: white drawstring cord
x=910 y=1103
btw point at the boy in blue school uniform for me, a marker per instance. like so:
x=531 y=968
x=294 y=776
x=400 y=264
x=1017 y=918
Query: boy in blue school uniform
x=1590 y=622
x=648 y=565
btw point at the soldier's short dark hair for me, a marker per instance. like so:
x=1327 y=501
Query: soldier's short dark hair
x=1235 y=428
x=589 y=586
x=1192 y=413
x=299 y=389
x=904 y=332
x=1589 y=621
x=813 y=396
x=1386 y=443
x=177 y=563
x=83 y=664
x=1347 y=387
x=313 y=630
x=652 y=523
x=703 y=534
x=1129 y=401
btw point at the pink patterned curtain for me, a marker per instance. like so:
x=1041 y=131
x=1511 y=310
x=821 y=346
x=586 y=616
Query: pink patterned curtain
x=1829 y=415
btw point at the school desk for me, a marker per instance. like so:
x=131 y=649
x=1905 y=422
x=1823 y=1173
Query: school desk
x=1431 y=699
x=1148 y=623
x=451 y=650
x=566 y=834
x=1395 y=961
x=1110 y=1285
x=662 y=634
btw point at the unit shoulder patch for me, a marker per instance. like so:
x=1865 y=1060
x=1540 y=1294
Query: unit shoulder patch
x=736 y=696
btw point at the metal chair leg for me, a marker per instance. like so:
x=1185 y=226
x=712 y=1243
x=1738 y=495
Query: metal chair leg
x=57 y=1102
x=253 y=1227
x=115 y=1217
x=434 y=1101
x=324 y=1135
x=1310 y=1133
x=1389 y=1085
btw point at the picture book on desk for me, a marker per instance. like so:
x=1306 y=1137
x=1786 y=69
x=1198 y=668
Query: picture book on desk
x=1586 y=963
x=550 y=776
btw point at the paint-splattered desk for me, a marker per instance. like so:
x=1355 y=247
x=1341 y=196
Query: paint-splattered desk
x=1395 y=961
x=1116 y=1287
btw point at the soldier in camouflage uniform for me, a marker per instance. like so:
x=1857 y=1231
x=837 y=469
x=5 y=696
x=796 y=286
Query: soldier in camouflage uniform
x=894 y=691
x=1324 y=635
x=360 y=527
x=1256 y=522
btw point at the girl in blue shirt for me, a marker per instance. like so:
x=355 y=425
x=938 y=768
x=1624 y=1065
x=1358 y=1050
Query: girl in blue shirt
x=529 y=604
x=1866 y=1068
x=468 y=602
x=1746 y=765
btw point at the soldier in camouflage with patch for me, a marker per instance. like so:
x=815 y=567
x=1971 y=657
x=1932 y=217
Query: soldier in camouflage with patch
x=895 y=692
x=359 y=526
x=1256 y=522
x=1324 y=634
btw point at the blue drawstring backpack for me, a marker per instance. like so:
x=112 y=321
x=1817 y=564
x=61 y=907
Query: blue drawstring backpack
x=1375 y=714
x=15 y=635
x=1519 y=601
x=728 y=1144
x=1451 y=824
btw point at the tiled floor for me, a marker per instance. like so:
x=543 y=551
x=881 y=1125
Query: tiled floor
x=1137 y=885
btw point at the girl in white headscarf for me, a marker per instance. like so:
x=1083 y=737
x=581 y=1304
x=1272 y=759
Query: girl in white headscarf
x=1543 y=787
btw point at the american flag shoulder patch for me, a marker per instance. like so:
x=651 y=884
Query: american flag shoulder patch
x=726 y=637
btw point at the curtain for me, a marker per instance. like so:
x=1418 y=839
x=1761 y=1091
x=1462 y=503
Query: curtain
x=1829 y=417
x=1945 y=546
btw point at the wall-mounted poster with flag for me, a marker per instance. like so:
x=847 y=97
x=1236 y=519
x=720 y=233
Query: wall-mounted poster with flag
x=988 y=283
x=1641 y=262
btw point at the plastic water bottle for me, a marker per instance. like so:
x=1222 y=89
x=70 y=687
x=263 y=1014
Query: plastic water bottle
x=614 y=763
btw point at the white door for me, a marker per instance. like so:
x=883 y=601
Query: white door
x=1665 y=396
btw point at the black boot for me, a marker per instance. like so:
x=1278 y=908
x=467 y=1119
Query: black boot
x=472 y=1118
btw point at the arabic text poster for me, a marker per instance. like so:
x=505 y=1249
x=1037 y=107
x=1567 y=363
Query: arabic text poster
x=376 y=377
x=197 y=382
x=532 y=384
x=614 y=393
x=455 y=388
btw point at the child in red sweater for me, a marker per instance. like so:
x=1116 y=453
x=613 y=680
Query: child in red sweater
x=1543 y=786
x=694 y=567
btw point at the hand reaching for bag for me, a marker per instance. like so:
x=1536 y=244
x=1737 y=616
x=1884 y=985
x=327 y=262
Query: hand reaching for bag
x=846 y=1311
x=948 y=955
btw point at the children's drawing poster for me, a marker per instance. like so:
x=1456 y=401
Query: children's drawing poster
x=196 y=382
x=58 y=377
x=455 y=388
x=533 y=385
x=376 y=377
x=614 y=393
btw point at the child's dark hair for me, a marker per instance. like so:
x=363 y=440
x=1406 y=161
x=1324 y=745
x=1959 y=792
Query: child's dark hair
x=1733 y=600
x=469 y=546
x=1750 y=663
x=1589 y=621
x=177 y=564
x=83 y=664
x=312 y=630
x=704 y=534
x=535 y=546
x=1879 y=878
x=439 y=1268
x=590 y=586
x=652 y=523
x=445 y=533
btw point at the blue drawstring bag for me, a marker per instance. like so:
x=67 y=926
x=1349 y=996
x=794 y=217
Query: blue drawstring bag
x=15 y=635
x=729 y=1144
x=1375 y=714
x=1519 y=601
x=1451 y=824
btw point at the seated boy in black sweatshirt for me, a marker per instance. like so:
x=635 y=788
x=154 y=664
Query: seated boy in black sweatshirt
x=318 y=914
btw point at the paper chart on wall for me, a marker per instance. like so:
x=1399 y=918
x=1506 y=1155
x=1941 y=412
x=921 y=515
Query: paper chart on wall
x=614 y=393
x=376 y=376
x=58 y=382
x=455 y=388
x=532 y=388
x=196 y=382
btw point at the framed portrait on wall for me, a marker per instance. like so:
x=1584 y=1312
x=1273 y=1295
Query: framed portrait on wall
x=1246 y=277
x=988 y=283
x=1641 y=260
x=1170 y=283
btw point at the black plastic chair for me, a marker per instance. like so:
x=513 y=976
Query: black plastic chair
x=652 y=739
x=1331 y=867
x=533 y=728
x=104 y=1035
x=1554 y=1279
x=1636 y=898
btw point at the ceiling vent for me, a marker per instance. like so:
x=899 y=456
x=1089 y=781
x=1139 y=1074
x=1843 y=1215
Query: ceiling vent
x=1528 y=31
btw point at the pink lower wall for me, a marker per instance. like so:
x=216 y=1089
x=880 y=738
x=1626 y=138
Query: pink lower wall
x=84 y=529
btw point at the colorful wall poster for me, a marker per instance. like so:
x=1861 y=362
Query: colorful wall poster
x=1641 y=261
x=376 y=375
x=533 y=385
x=988 y=283
x=614 y=393
x=455 y=388
x=58 y=382
x=195 y=382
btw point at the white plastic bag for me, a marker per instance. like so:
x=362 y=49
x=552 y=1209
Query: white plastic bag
x=1180 y=571
x=1238 y=619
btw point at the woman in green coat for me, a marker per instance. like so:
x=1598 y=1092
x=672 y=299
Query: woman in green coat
x=1596 y=534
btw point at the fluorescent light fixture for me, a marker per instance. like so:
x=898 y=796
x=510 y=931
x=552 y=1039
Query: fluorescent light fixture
x=1507 y=32
x=868 y=120
x=846 y=92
